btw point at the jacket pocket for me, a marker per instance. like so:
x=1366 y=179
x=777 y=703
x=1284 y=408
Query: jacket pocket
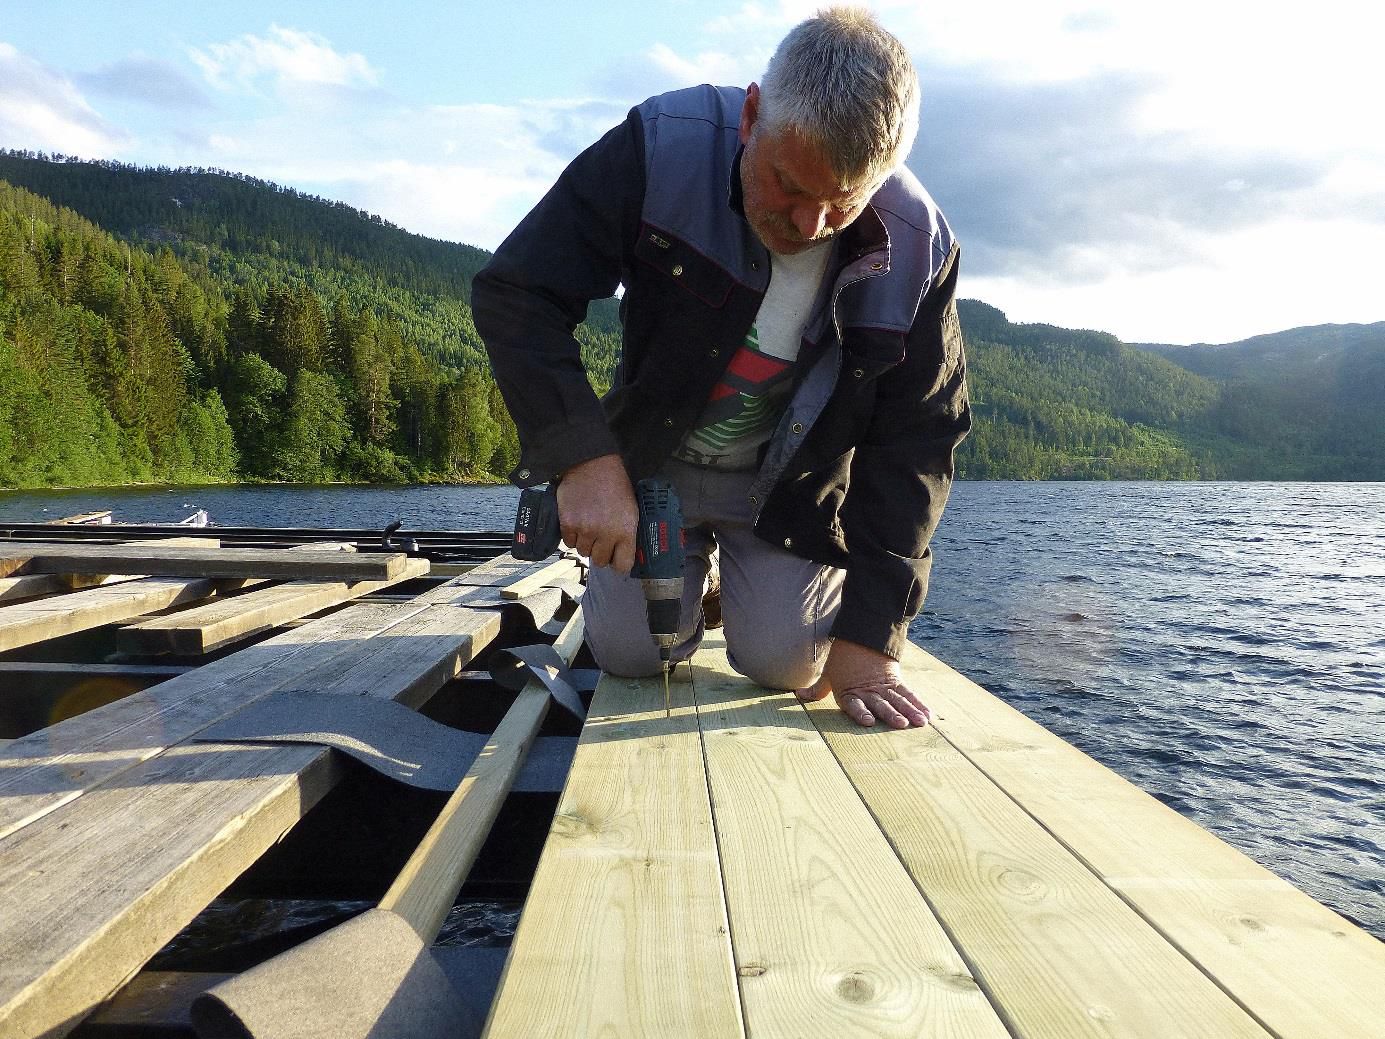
x=683 y=265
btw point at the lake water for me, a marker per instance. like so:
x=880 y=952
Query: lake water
x=1222 y=645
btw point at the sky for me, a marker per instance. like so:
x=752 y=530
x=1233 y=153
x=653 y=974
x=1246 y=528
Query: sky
x=1180 y=172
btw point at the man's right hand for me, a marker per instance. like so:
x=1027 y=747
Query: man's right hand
x=598 y=514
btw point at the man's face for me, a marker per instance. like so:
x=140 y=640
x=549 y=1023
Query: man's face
x=791 y=197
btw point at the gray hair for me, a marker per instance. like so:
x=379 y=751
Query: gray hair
x=846 y=85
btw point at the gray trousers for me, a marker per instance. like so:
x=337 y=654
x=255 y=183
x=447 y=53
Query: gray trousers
x=777 y=609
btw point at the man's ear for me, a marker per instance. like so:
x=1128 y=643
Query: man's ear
x=750 y=111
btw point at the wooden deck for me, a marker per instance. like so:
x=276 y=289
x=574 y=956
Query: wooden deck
x=752 y=867
x=747 y=867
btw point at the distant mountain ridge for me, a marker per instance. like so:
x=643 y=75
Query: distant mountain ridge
x=1295 y=348
x=249 y=286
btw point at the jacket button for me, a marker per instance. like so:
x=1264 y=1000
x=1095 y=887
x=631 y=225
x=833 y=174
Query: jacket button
x=754 y=500
x=788 y=542
x=714 y=352
x=858 y=373
x=877 y=266
x=797 y=427
x=523 y=474
x=668 y=422
x=677 y=270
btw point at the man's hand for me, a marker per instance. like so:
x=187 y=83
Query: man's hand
x=598 y=514
x=867 y=685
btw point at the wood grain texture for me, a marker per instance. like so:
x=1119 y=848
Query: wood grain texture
x=426 y=887
x=1299 y=968
x=27 y=623
x=182 y=561
x=106 y=880
x=31 y=587
x=831 y=936
x=49 y=768
x=218 y=624
x=46 y=769
x=555 y=572
x=1058 y=952
x=109 y=882
x=624 y=932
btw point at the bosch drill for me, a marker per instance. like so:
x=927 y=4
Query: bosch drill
x=660 y=552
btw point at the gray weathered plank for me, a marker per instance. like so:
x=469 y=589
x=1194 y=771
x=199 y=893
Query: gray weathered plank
x=217 y=624
x=106 y=881
x=183 y=561
x=23 y=624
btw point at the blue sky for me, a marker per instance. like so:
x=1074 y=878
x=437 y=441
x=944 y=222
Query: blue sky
x=1195 y=170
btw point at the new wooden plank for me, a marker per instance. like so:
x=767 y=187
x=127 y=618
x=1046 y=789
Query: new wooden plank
x=173 y=561
x=427 y=886
x=1299 y=968
x=624 y=932
x=106 y=881
x=23 y=624
x=831 y=936
x=1058 y=952
x=217 y=624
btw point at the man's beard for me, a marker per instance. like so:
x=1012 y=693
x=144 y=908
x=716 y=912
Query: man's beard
x=782 y=229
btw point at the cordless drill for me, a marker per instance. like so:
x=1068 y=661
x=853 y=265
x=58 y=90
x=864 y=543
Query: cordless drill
x=660 y=553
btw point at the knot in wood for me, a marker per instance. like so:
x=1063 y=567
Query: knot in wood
x=856 y=987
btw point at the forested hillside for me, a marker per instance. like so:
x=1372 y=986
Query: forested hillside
x=188 y=325
x=1058 y=403
x=194 y=325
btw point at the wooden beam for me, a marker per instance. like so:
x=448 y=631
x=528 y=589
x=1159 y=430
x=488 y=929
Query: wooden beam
x=427 y=886
x=165 y=561
x=23 y=624
x=45 y=770
x=831 y=936
x=217 y=624
x=12 y=588
x=625 y=930
x=80 y=581
x=554 y=571
x=1301 y=969
x=1056 y=950
x=106 y=882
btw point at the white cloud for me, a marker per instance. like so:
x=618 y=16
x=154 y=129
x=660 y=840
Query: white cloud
x=703 y=67
x=1235 y=285
x=44 y=111
x=288 y=57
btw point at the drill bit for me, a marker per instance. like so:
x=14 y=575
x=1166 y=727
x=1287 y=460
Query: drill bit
x=667 y=668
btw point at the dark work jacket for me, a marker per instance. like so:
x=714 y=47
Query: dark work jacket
x=859 y=468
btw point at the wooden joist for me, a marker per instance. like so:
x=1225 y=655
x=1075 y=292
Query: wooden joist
x=217 y=624
x=162 y=560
